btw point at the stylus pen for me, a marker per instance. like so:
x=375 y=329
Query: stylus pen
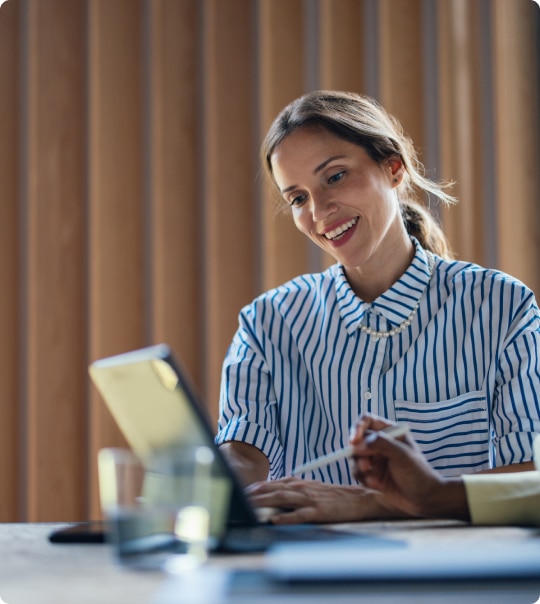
x=324 y=460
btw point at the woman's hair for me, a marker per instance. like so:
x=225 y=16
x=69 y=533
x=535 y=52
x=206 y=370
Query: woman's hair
x=362 y=121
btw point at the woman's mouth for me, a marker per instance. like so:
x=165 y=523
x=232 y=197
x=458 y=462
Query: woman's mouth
x=339 y=232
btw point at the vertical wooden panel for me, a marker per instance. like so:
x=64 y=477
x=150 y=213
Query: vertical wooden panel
x=176 y=199
x=56 y=277
x=341 y=49
x=401 y=75
x=117 y=311
x=461 y=135
x=229 y=170
x=9 y=261
x=517 y=137
x=284 y=251
x=341 y=52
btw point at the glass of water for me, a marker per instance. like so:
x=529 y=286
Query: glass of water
x=157 y=509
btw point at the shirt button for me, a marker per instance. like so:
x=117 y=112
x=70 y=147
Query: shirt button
x=367 y=394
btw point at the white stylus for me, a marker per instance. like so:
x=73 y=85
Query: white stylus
x=324 y=460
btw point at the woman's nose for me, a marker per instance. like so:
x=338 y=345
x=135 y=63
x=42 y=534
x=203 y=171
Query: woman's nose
x=321 y=207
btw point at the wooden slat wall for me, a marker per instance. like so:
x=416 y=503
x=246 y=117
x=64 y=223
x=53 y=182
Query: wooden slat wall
x=11 y=468
x=279 y=79
x=341 y=49
x=53 y=259
x=230 y=231
x=461 y=100
x=174 y=197
x=116 y=234
x=516 y=57
x=132 y=206
x=341 y=45
x=401 y=76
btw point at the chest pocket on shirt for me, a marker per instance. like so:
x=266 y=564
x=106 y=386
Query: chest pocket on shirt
x=453 y=434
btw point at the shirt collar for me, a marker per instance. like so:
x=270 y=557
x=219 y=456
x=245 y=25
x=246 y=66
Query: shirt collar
x=395 y=304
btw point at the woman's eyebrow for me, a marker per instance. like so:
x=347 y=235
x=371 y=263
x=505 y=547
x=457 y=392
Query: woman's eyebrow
x=320 y=167
x=326 y=162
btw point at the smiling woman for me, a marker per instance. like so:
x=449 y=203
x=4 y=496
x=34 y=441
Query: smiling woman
x=394 y=328
x=370 y=131
x=347 y=204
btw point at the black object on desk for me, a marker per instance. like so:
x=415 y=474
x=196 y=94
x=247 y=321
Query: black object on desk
x=93 y=531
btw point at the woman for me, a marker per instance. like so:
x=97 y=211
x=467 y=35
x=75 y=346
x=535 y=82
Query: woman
x=395 y=328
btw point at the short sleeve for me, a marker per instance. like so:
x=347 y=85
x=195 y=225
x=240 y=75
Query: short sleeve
x=248 y=409
x=516 y=406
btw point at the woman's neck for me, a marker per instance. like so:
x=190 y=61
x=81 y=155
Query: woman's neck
x=370 y=282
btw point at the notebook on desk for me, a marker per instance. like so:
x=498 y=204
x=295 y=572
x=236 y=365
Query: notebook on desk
x=155 y=406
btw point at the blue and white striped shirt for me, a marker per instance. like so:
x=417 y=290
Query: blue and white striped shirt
x=465 y=374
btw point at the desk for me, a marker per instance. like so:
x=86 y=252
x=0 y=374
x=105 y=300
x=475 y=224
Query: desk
x=34 y=571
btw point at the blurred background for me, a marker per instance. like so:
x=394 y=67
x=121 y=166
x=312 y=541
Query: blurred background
x=132 y=210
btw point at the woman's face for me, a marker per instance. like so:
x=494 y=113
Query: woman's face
x=341 y=198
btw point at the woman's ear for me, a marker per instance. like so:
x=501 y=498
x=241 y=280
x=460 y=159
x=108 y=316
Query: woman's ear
x=397 y=170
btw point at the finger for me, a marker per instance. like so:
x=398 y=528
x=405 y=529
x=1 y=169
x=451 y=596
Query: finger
x=271 y=486
x=380 y=449
x=379 y=443
x=281 y=498
x=357 y=432
x=297 y=516
x=361 y=475
x=370 y=478
x=372 y=481
x=404 y=442
x=254 y=487
x=362 y=464
x=368 y=423
x=374 y=444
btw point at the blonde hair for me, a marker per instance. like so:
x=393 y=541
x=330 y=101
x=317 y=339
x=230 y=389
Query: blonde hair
x=363 y=121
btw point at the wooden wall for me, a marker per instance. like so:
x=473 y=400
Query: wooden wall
x=131 y=205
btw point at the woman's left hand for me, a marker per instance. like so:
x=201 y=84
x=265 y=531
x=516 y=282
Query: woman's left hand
x=317 y=502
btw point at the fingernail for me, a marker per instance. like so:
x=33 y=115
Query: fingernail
x=370 y=438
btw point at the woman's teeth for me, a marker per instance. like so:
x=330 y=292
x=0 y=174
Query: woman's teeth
x=336 y=233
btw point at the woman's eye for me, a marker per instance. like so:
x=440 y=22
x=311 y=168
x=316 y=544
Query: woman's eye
x=298 y=200
x=335 y=177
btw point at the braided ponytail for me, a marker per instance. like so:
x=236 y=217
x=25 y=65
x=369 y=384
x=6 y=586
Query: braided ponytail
x=421 y=224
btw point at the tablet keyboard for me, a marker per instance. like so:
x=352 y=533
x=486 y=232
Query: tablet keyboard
x=259 y=538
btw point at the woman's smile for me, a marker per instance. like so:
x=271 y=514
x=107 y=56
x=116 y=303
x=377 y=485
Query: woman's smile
x=338 y=233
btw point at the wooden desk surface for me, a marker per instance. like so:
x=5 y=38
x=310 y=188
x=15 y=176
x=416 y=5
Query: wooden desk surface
x=34 y=571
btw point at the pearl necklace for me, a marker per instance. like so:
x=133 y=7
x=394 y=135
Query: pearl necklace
x=392 y=332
